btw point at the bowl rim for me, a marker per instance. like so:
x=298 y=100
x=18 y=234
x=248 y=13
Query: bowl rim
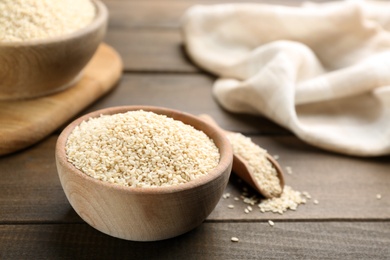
x=100 y=18
x=225 y=162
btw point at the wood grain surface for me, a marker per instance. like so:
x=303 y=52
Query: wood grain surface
x=293 y=240
x=349 y=222
x=24 y=122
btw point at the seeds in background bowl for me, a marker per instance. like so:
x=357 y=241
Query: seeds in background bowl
x=22 y=20
x=141 y=149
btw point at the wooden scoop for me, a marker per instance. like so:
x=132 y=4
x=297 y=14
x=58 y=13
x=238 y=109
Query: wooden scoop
x=240 y=166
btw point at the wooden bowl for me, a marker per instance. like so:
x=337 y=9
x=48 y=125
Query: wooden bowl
x=36 y=68
x=147 y=213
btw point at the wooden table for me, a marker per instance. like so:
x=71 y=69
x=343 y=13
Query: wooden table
x=37 y=222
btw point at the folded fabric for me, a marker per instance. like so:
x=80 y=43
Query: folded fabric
x=319 y=70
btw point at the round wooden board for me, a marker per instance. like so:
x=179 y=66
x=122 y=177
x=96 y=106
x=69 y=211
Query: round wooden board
x=25 y=122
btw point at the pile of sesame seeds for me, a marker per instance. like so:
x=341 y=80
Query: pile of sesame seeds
x=255 y=157
x=289 y=200
x=22 y=20
x=141 y=149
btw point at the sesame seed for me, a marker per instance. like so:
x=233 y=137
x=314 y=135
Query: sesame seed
x=246 y=211
x=306 y=194
x=289 y=170
x=378 y=196
x=231 y=206
x=234 y=239
x=236 y=199
x=276 y=156
x=251 y=201
x=271 y=223
x=315 y=202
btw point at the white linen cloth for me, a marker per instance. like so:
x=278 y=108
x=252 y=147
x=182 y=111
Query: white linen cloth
x=319 y=70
